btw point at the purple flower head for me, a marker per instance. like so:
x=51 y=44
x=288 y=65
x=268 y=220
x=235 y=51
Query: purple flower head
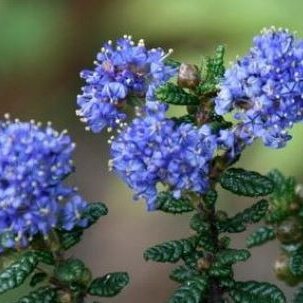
x=72 y=211
x=265 y=88
x=154 y=150
x=34 y=160
x=123 y=70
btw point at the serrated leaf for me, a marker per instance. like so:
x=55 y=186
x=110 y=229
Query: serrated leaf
x=296 y=263
x=173 y=94
x=199 y=224
x=167 y=203
x=220 y=271
x=246 y=183
x=109 y=285
x=253 y=214
x=298 y=297
x=94 y=212
x=70 y=271
x=231 y=256
x=41 y=295
x=15 y=274
x=284 y=189
x=37 y=278
x=210 y=197
x=192 y=291
x=183 y=273
x=69 y=238
x=45 y=257
x=213 y=71
x=171 y=251
x=257 y=292
x=260 y=236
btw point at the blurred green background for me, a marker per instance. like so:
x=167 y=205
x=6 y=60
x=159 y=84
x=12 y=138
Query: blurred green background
x=44 y=45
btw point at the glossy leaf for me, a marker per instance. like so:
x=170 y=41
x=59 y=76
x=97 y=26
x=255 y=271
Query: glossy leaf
x=246 y=183
x=171 y=251
x=167 y=203
x=109 y=285
x=260 y=236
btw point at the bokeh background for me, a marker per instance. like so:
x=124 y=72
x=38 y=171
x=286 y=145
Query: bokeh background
x=44 y=45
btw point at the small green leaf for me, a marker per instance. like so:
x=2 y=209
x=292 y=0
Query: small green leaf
x=70 y=271
x=41 y=295
x=15 y=274
x=260 y=236
x=213 y=71
x=199 y=224
x=69 y=238
x=171 y=251
x=246 y=183
x=296 y=263
x=167 y=203
x=173 y=94
x=94 y=212
x=183 y=273
x=45 y=257
x=231 y=256
x=253 y=214
x=298 y=298
x=210 y=198
x=109 y=285
x=220 y=271
x=37 y=278
x=192 y=291
x=257 y=292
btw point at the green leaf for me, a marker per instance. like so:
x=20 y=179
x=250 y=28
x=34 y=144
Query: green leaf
x=167 y=203
x=250 y=215
x=213 y=71
x=199 y=224
x=257 y=292
x=94 y=212
x=69 y=238
x=70 y=271
x=109 y=285
x=231 y=256
x=15 y=274
x=192 y=291
x=246 y=183
x=183 y=273
x=45 y=257
x=296 y=263
x=284 y=189
x=173 y=94
x=184 y=119
x=171 y=251
x=37 y=278
x=220 y=271
x=260 y=236
x=298 y=298
x=41 y=295
x=210 y=198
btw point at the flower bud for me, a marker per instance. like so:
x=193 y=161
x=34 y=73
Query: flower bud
x=189 y=76
x=281 y=269
x=289 y=231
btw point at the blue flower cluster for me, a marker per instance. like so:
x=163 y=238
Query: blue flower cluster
x=265 y=88
x=122 y=71
x=155 y=150
x=34 y=160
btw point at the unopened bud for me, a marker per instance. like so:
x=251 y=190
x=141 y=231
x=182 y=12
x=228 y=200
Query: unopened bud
x=189 y=76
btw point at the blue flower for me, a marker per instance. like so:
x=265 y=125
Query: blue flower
x=265 y=89
x=72 y=213
x=154 y=150
x=122 y=71
x=34 y=161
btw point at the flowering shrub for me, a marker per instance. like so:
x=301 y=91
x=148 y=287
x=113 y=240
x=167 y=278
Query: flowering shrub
x=176 y=164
